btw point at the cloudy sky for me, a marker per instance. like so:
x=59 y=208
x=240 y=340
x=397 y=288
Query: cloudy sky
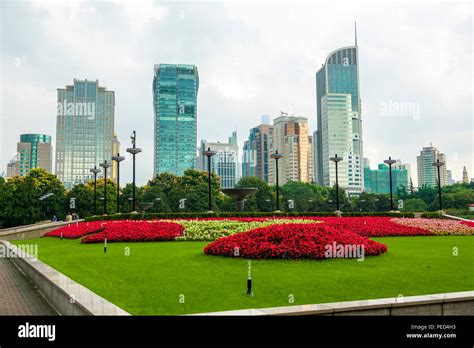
x=253 y=59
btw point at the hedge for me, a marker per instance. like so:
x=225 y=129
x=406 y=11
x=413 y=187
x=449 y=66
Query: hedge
x=153 y=216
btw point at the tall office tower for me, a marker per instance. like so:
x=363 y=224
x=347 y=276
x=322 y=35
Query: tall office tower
x=339 y=120
x=34 y=151
x=224 y=163
x=175 y=90
x=256 y=152
x=427 y=173
x=465 y=178
x=84 y=130
x=290 y=138
x=115 y=151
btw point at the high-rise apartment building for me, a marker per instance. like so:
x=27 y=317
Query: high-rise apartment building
x=175 y=90
x=427 y=173
x=224 y=163
x=256 y=152
x=84 y=130
x=290 y=138
x=34 y=151
x=339 y=121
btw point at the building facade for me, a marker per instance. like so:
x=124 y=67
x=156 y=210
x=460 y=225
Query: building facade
x=84 y=130
x=427 y=173
x=290 y=138
x=34 y=151
x=175 y=90
x=339 y=121
x=465 y=176
x=378 y=180
x=256 y=151
x=224 y=163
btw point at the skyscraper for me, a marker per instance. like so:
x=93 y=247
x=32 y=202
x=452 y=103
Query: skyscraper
x=84 y=130
x=290 y=138
x=339 y=120
x=224 y=163
x=256 y=152
x=34 y=151
x=175 y=90
x=427 y=173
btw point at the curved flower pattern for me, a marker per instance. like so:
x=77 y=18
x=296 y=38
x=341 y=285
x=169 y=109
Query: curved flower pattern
x=438 y=226
x=77 y=230
x=292 y=241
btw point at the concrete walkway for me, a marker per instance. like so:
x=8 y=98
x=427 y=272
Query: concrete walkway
x=18 y=296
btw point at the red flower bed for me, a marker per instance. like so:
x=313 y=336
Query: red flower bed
x=293 y=241
x=468 y=223
x=137 y=231
x=77 y=230
x=374 y=226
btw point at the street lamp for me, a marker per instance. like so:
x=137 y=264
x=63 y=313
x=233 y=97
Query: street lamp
x=118 y=159
x=276 y=156
x=337 y=159
x=134 y=150
x=95 y=171
x=105 y=165
x=390 y=161
x=439 y=164
x=209 y=154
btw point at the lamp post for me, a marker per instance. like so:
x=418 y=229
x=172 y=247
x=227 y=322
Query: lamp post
x=336 y=159
x=95 y=171
x=209 y=154
x=118 y=159
x=105 y=165
x=276 y=156
x=390 y=161
x=438 y=165
x=134 y=150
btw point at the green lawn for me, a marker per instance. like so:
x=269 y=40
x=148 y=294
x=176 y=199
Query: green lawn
x=151 y=280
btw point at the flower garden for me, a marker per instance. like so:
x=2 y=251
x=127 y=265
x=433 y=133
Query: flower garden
x=262 y=238
x=151 y=265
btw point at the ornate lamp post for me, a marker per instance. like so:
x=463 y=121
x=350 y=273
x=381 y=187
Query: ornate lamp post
x=95 y=171
x=438 y=165
x=336 y=159
x=209 y=154
x=118 y=159
x=105 y=165
x=390 y=161
x=276 y=156
x=134 y=150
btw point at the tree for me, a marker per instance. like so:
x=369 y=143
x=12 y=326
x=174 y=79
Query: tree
x=84 y=199
x=414 y=204
x=306 y=196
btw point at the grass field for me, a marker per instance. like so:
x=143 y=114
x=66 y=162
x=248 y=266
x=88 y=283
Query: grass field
x=156 y=277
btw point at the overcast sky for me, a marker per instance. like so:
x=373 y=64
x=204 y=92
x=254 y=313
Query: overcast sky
x=253 y=59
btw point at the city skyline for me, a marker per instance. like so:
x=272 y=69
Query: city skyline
x=399 y=119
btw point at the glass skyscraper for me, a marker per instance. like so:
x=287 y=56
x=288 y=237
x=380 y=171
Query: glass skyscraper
x=84 y=130
x=256 y=152
x=339 y=121
x=175 y=89
x=34 y=151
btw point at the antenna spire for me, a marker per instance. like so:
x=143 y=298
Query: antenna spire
x=355 y=32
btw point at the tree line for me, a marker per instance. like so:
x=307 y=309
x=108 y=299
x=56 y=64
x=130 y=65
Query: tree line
x=40 y=196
